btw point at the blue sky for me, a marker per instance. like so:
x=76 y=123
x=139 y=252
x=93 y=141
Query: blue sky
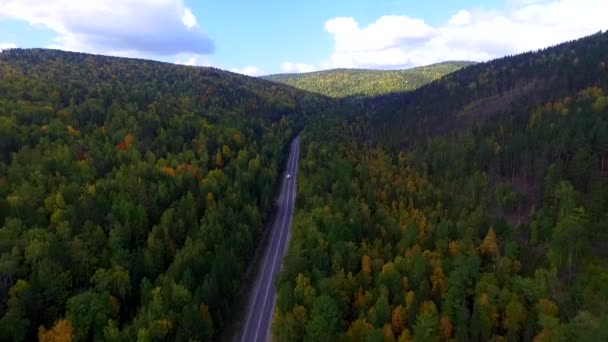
x=272 y=36
x=270 y=32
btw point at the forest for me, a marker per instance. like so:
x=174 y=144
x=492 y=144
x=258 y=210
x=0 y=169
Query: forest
x=341 y=83
x=132 y=193
x=468 y=97
x=461 y=205
x=493 y=229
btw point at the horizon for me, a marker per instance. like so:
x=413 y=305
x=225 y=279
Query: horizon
x=258 y=76
x=275 y=38
x=402 y=194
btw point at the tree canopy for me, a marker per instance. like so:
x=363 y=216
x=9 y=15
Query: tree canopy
x=340 y=83
x=132 y=193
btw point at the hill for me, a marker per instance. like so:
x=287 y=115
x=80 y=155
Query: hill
x=477 y=93
x=472 y=209
x=362 y=82
x=132 y=192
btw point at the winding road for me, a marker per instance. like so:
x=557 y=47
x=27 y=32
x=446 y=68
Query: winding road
x=261 y=301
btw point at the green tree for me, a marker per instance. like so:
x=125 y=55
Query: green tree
x=324 y=320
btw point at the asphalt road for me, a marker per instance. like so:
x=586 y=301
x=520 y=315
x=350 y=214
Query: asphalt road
x=261 y=301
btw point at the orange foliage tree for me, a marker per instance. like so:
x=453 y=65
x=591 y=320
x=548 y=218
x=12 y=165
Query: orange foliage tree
x=62 y=331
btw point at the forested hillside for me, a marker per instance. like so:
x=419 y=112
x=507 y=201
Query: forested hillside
x=132 y=193
x=476 y=93
x=362 y=82
x=474 y=209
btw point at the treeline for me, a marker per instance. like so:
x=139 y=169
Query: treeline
x=340 y=83
x=132 y=193
x=490 y=230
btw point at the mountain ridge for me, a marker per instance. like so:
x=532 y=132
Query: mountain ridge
x=340 y=83
x=133 y=192
x=448 y=62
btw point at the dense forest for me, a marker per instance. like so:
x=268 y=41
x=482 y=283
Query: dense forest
x=474 y=94
x=435 y=216
x=340 y=83
x=132 y=193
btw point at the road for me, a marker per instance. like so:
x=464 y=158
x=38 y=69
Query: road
x=261 y=301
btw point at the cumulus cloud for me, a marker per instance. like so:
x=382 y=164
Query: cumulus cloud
x=290 y=67
x=189 y=19
x=4 y=46
x=479 y=35
x=120 y=27
x=249 y=70
x=192 y=60
x=463 y=17
x=204 y=60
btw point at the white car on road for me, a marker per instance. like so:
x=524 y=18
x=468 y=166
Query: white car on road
x=288 y=176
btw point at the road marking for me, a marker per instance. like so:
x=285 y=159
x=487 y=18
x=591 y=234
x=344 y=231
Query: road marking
x=269 y=249
x=274 y=261
x=267 y=255
x=292 y=202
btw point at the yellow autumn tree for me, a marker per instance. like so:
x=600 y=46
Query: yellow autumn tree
x=366 y=267
x=359 y=299
x=446 y=327
x=219 y=161
x=453 y=247
x=62 y=331
x=130 y=139
x=398 y=318
x=387 y=333
x=489 y=246
x=406 y=336
x=405 y=281
x=547 y=307
x=238 y=139
x=547 y=311
x=358 y=328
x=227 y=151
x=438 y=281
x=169 y=171
x=210 y=199
x=409 y=298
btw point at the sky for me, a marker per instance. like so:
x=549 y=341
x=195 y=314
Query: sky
x=277 y=36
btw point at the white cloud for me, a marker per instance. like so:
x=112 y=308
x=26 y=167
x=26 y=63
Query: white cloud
x=189 y=61
x=4 y=46
x=121 y=27
x=189 y=19
x=386 y=32
x=290 y=67
x=203 y=60
x=249 y=70
x=461 y=18
x=193 y=60
x=400 y=41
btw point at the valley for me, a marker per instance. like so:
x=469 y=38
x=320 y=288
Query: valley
x=458 y=201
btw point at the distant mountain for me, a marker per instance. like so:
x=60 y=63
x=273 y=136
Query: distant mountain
x=475 y=94
x=366 y=82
